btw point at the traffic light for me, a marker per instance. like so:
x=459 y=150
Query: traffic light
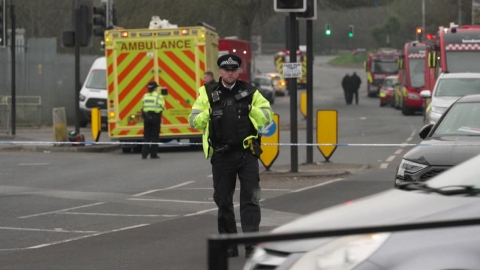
x=311 y=12
x=3 y=23
x=328 y=30
x=290 y=5
x=100 y=20
x=350 y=31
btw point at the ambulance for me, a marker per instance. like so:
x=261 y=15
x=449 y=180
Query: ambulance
x=176 y=58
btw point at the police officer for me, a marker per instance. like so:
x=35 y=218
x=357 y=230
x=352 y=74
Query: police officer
x=153 y=105
x=229 y=112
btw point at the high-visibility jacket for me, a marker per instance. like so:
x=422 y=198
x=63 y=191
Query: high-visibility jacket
x=261 y=114
x=153 y=102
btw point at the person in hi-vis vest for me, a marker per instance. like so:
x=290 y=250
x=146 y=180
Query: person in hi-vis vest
x=152 y=106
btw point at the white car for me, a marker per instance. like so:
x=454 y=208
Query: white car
x=448 y=88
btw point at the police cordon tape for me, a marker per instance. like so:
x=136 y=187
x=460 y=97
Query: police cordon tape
x=46 y=143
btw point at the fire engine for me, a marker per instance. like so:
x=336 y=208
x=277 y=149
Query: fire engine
x=241 y=48
x=411 y=78
x=175 y=58
x=453 y=49
x=378 y=66
x=283 y=56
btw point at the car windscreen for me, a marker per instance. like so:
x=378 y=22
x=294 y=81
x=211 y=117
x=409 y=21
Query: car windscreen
x=263 y=81
x=463 y=119
x=465 y=61
x=389 y=82
x=385 y=66
x=417 y=72
x=97 y=79
x=457 y=87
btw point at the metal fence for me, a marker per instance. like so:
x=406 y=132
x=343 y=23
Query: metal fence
x=44 y=80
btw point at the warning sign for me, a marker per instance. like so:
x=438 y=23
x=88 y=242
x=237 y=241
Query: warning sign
x=292 y=70
x=270 y=135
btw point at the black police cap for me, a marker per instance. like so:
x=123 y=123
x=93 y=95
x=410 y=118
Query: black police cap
x=229 y=62
x=152 y=85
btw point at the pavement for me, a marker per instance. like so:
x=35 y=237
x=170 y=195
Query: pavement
x=43 y=140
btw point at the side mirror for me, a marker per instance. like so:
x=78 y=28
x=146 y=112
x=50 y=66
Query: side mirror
x=425 y=130
x=426 y=94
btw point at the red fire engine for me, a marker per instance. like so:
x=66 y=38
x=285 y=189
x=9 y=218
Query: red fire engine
x=411 y=78
x=241 y=48
x=454 y=49
x=378 y=66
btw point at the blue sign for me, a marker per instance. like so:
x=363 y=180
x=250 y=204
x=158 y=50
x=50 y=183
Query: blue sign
x=269 y=129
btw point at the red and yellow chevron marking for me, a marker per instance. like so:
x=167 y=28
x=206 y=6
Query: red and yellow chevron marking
x=303 y=79
x=180 y=70
x=279 y=64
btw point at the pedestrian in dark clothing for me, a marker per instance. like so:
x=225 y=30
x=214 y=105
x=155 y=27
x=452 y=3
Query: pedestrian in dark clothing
x=229 y=112
x=346 y=85
x=208 y=78
x=356 y=82
x=152 y=107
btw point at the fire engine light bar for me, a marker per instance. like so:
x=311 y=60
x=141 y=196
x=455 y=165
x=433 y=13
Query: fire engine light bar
x=145 y=34
x=124 y=34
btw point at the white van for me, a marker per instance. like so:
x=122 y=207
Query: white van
x=94 y=92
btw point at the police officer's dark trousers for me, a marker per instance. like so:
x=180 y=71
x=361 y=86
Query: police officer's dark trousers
x=151 y=133
x=225 y=168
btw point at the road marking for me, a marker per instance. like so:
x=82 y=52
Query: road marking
x=390 y=158
x=413 y=133
x=155 y=190
x=45 y=230
x=319 y=185
x=404 y=144
x=63 y=210
x=113 y=215
x=408 y=139
x=383 y=165
x=33 y=164
x=85 y=236
x=363 y=118
x=163 y=200
x=210 y=175
x=206 y=211
x=398 y=151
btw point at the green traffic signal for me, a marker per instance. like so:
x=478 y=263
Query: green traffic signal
x=350 y=34
x=327 y=32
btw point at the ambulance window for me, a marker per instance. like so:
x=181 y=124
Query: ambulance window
x=97 y=79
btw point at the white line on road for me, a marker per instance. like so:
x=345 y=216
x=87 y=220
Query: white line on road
x=45 y=230
x=155 y=190
x=383 y=165
x=390 y=158
x=113 y=215
x=86 y=236
x=163 y=200
x=409 y=139
x=53 y=212
x=33 y=164
x=398 y=151
x=319 y=185
x=206 y=211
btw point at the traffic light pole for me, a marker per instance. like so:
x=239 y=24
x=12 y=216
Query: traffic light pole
x=78 y=26
x=14 y=91
x=309 y=91
x=292 y=89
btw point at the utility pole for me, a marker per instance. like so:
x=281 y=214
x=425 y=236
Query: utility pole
x=14 y=91
x=423 y=19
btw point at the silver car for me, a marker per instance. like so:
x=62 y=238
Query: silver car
x=448 y=88
x=453 y=195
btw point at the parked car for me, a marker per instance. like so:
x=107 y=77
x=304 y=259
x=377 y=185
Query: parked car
x=448 y=143
x=448 y=88
x=279 y=83
x=265 y=86
x=450 y=196
x=387 y=89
